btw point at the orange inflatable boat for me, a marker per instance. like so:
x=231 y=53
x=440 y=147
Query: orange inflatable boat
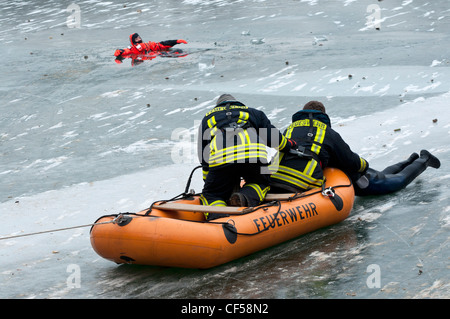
x=175 y=233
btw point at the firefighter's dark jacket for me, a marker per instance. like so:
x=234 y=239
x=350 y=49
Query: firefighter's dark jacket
x=325 y=147
x=234 y=133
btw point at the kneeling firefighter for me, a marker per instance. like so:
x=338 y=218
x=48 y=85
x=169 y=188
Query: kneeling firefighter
x=232 y=145
x=319 y=146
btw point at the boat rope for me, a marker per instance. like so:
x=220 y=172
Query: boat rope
x=116 y=220
x=184 y=195
x=272 y=223
x=186 y=189
x=119 y=217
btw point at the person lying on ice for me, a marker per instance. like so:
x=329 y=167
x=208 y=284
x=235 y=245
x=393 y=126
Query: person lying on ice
x=395 y=177
x=139 y=47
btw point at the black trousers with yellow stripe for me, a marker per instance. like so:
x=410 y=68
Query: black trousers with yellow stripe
x=222 y=181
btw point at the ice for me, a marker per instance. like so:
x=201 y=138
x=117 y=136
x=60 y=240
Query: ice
x=206 y=62
x=82 y=136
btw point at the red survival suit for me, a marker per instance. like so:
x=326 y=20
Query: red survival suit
x=138 y=47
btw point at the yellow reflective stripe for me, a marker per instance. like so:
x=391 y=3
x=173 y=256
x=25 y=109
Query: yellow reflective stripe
x=305 y=122
x=243 y=117
x=231 y=158
x=300 y=123
x=213 y=145
x=316 y=148
x=291 y=180
x=245 y=148
x=265 y=191
x=288 y=172
x=218 y=203
x=243 y=137
x=234 y=159
x=319 y=124
x=212 y=122
x=320 y=134
x=274 y=164
x=249 y=141
x=240 y=148
x=232 y=154
x=297 y=174
x=223 y=108
x=204 y=202
x=363 y=164
x=310 y=167
x=289 y=131
x=261 y=192
x=283 y=143
x=319 y=137
x=213 y=131
x=212 y=125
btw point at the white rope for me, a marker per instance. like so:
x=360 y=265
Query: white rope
x=117 y=219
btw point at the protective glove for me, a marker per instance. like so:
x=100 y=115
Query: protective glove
x=362 y=182
x=118 y=52
x=292 y=144
x=181 y=41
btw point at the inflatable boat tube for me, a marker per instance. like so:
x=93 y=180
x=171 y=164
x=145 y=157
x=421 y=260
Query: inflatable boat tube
x=176 y=234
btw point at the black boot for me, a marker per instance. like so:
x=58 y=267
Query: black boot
x=431 y=160
x=419 y=165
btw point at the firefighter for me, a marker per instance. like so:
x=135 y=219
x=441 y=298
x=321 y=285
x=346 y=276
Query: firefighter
x=319 y=146
x=232 y=145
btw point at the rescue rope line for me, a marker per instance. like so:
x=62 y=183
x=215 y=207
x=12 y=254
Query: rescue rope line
x=113 y=221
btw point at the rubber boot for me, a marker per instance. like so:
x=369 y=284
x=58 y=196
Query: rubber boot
x=432 y=160
x=419 y=165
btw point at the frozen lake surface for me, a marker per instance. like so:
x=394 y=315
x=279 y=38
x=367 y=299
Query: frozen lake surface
x=82 y=136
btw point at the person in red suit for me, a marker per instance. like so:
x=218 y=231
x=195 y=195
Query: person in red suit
x=139 y=47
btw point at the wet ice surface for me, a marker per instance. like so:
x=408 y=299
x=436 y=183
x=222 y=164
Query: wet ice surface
x=82 y=136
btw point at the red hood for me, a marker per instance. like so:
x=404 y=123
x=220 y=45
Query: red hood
x=131 y=38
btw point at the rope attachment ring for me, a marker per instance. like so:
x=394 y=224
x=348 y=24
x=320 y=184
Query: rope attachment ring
x=328 y=192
